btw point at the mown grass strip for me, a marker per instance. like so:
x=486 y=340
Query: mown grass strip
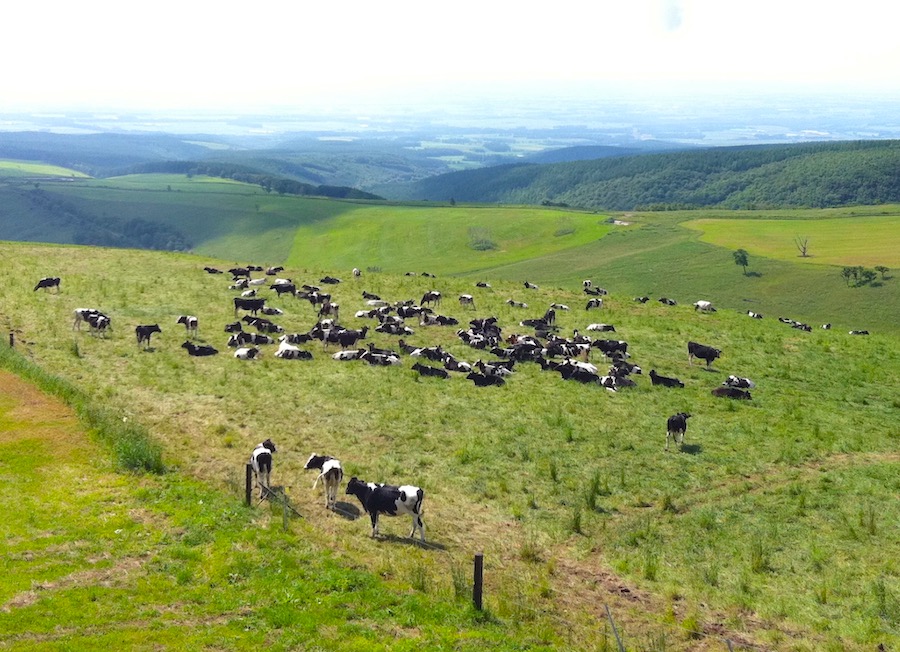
x=132 y=445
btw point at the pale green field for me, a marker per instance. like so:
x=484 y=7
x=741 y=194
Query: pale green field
x=10 y=168
x=426 y=238
x=864 y=241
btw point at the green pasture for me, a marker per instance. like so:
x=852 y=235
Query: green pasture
x=866 y=241
x=15 y=168
x=772 y=526
x=447 y=240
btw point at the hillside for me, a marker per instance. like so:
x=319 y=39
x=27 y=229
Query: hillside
x=768 y=529
x=761 y=177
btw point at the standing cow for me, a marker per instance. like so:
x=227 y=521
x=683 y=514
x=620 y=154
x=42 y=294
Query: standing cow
x=261 y=461
x=386 y=499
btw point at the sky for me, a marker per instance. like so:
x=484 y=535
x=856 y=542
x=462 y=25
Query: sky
x=192 y=54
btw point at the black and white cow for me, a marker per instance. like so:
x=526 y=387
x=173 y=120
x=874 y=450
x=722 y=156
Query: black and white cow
x=82 y=314
x=594 y=303
x=754 y=315
x=467 y=300
x=48 y=282
x=859 y=332
x=704 y=306
x=144 y=332
x=261 y=462
x=740 y=383
x=379 y=499
x=190 y=324
x=331 y=475
x=703 y=352
x=665 y=381
x=676 y=427
x=731 y=392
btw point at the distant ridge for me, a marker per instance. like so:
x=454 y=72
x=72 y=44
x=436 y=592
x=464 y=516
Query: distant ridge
x=805 y=175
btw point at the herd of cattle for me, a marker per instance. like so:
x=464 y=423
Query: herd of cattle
x=567 y=356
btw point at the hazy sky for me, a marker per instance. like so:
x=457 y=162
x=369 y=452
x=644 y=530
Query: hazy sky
x=199 y=53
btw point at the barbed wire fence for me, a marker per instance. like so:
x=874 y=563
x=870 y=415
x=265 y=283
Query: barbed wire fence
x=609 y=636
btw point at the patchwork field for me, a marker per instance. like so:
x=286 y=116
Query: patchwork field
x=769 y=529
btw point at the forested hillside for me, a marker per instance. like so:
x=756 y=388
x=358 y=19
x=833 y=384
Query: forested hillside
x=802 y=176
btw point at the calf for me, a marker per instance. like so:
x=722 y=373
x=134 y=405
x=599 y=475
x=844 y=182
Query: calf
x=47 y=282
x=190 y=324
x=379 y=499
x=425 y=370
x=731 y=392
x=675 y=426
x=331 y=474
x=261 y=461
x=143 y=333
x=703 y=352
x=665 y=381
x=198 y=350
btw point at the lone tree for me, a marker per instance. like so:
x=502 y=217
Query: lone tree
x=802 y=245
x=741 y=258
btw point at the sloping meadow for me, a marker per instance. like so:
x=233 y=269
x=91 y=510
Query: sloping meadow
x=773 y=521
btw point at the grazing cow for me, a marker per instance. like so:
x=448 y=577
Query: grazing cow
x=665 y=381
x=198 y=350
x=190 y=324
x=247 y=353
x=467 y=300
x=704 y=306
x=252 y=305
x=754 y=315
x=379 y=499
x=425 y=370
x=261 y=461
x=99 y=323
x=47 y=282
x=349 y=337
x=143 y=333
x=594 y=303
x=82 y=314
x=731 y=392
x=703 y=352
x=676 y=426
x=667 y=302
x=740 y=383
x=432 y=297
x=284 y=288
x=859 y=332
x=331 y=475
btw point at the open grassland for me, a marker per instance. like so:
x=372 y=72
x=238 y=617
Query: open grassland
x=11 y=168
x=772 y=527
x=93 y=559
x=454 y=241
x=864 y=241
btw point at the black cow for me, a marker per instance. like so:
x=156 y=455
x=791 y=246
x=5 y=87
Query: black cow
x=198 y=350
x=676 y=425
x=47 y=282
x=731 y=392
x=425 y=370
x=703 y=352
x=253 y=305
x=379 y=499
x=482 y=380
x=143 y=333
x=665 y=381
x=212 y=270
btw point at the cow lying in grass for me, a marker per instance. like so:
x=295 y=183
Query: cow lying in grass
x=386 y=499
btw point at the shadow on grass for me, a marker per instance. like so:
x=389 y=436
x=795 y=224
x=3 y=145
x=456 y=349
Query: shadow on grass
x=754 y=274
x=692 y=449
x=347 y=510
x=407 y=541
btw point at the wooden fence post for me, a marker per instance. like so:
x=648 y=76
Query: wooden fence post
x=248 y=487
x=12 y=340
x=477 y=589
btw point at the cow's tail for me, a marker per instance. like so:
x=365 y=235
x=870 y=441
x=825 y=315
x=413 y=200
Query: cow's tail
x=319 y=477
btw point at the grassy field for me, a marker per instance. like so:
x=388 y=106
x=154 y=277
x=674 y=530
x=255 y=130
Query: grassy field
x=864 y=241
x=17 y=169
x=770 y=529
